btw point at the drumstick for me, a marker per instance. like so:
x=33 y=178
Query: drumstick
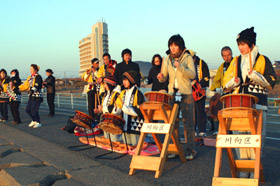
x=182 y=54
x=162 y=65
x=236 y=68
x=97 y=92
x=95 y=101
x=251 y=65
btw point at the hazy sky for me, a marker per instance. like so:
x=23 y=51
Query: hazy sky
x=47 y=32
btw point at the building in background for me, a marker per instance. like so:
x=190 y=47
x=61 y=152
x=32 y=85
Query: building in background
x=94 y=45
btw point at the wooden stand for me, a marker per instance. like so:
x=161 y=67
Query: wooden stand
x=239 y=119
x=277 y=101
x=157 y=111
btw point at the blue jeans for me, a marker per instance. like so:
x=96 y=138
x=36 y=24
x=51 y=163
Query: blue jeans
x=32 y=109
x=186 y=106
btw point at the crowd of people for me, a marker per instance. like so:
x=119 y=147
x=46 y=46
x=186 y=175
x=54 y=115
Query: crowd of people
x=114 y=87
x=10 y=94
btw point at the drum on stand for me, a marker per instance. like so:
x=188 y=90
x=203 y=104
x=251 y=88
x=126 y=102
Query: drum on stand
x=111 y=123
x=239 y=100
x=83 y=120
x=158 y=97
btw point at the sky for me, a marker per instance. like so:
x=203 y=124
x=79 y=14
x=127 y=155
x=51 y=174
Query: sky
x=47 y=32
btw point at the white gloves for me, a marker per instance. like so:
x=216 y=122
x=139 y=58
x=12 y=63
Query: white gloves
x=33 y=89
x=129 y=110
x=232 y=84
x=117 y=89
x=258 y=79
x=116 y=111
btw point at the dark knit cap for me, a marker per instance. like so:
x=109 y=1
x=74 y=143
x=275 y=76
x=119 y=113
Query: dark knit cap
x=126 y=51
x=111 y=80
x=247 y=35
x=94 y=60
x=131 y=76
x=50 y=71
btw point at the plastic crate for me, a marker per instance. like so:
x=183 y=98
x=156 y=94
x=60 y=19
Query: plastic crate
x=210 y=142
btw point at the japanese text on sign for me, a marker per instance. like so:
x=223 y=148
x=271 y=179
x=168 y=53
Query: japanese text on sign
x=160 y=128
x=235 y=141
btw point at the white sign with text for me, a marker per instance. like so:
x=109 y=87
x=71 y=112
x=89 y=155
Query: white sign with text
x=158 y=128
x=237 y=141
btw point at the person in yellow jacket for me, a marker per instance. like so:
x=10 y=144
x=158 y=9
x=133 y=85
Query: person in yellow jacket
x=129 y=102
x=108 y=103
x=106 y=70
x=4 y=98
x=90 y=76
x=218 y=79
x=250 y=73
x=33 y=85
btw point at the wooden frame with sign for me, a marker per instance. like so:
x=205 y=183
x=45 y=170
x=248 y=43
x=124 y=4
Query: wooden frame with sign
x=239 y=119
x=157 y=111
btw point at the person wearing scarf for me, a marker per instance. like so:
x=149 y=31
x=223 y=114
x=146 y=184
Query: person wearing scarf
x=179 y=67
x=256 y=81
x=152 y=77
x=33 y=85
x=108 y=103
x=129 y=101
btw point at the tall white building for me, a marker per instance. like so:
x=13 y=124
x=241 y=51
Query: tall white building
x=93 y=46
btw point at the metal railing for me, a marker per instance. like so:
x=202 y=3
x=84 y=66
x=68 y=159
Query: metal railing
x=73 y=101
x=78 y=101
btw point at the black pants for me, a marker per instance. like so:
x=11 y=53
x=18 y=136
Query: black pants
x=50 y=100
x=32 y=109
x=4 y=110
x=200 y=115
x=14 y=105
x=91 y=102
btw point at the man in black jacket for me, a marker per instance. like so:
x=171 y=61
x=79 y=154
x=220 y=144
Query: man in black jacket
x=202 y=78
x=49 y=83
x=125 y=66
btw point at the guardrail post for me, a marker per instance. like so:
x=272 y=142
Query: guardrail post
x=72 y=102
x=58 y=100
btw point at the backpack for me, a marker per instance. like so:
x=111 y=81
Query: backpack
x=70 y=126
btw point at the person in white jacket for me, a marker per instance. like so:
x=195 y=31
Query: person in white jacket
x=108 y=103
x=129 y=101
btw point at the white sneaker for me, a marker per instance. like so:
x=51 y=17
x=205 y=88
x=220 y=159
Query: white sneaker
x=190 y=157
x=171 y=156
x=37 y=125
x=202 y=134
x=32 y=123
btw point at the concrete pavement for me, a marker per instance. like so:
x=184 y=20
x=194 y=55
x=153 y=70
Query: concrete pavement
x=41 y=157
